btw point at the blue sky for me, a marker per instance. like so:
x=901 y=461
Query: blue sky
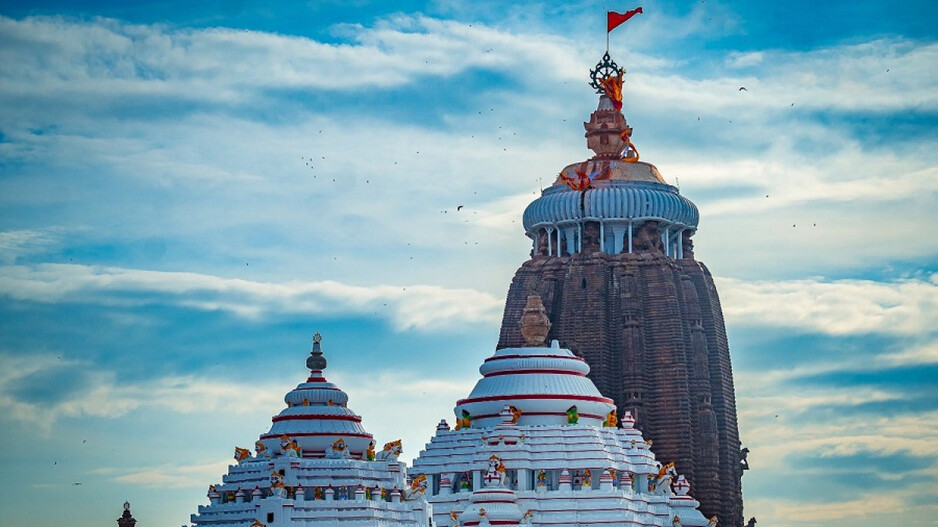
x=188 y=191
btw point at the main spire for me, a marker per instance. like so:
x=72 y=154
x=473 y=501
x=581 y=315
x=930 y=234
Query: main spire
x=608 y=134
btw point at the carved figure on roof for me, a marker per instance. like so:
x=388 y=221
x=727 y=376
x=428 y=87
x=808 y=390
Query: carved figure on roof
x=743 y=462
x=611 y=420
x=277 y=487
x=289 y=447
x=464 y=481
x=542 y=243
x=528 y=517
x=370 y=453
x=587 y=479
x=535 y=324
x=714 y=521
x=573 y=416
x=418 y=488
x=257 y=523
x=515 y=414
x=688 y=243
x=391 y=451
x=318 y=493
x=454 y=516
x=647 y=238
x=341 y=493
x=494 y=475
x=242 y=454
x=661 y=484
x=541 y=479
x=260 y=450
x=338 y=449
x=465 y=421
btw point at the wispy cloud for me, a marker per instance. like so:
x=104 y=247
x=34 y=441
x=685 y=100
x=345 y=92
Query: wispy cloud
x=25 y=396
x=172 y=475
x=835 y=307
x=409 y=306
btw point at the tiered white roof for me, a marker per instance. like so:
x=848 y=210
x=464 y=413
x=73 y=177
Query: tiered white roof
x=546 y=382
x=315 y=467
x=561 y=467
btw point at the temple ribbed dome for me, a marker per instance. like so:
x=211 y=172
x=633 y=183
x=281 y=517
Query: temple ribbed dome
x=543 y=383
x=612 y=200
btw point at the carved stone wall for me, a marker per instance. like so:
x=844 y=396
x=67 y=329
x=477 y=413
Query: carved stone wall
x=652 y=330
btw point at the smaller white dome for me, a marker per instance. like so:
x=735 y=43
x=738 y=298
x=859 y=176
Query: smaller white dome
x=543 y=383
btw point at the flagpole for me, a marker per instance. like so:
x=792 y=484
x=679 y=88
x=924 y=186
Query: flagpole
x=607 y=32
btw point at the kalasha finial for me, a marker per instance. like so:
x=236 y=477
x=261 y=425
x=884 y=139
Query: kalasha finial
x=604 y=69
x=316 y=361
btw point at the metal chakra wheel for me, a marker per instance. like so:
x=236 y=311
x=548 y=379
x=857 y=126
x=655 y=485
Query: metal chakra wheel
x=604 y=68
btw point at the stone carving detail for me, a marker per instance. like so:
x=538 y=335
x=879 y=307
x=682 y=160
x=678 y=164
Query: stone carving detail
x=647 y=238
x=534 y=322
x=391 y=451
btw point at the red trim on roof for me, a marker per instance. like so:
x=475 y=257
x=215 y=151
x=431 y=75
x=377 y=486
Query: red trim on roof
x=523 y=413
x=526 y=372
x=539 y=396
x=331 y=388
x=310 y=417
x=503 y=357
x=317 y=434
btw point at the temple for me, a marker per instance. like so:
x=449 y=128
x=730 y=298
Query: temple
x=535 y=443
x=628 y=409
x=316 y=466
x=613 y=261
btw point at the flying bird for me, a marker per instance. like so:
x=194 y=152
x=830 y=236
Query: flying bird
x=743 y=88
x=459 y=207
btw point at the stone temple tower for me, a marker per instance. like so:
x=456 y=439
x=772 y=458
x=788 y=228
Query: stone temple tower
x=613 y=263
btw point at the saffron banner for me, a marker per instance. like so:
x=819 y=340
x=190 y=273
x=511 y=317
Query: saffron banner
x=613 y=19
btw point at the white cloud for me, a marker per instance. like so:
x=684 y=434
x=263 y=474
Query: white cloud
x=172 y=475
x=837 y=307
x=875 y=509
x=105 y=396
x=409 y=306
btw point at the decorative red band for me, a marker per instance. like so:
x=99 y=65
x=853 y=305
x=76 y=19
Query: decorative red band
x=528 y=372
x=310 y=417
x=319 y=434
x=504 y=357
x=589 y=398
x=486 y=416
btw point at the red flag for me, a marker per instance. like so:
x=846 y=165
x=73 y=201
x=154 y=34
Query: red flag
x=613 y=19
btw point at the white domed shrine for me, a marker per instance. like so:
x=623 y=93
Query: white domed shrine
x=316 y=467
x=535 y=443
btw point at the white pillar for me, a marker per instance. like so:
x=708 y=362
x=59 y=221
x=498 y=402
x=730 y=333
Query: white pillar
x=476 y=480
x=602 y=237
x=630 y=237
x=666 y=238
x=680 y=243
x=550 y=243
x=616 y=238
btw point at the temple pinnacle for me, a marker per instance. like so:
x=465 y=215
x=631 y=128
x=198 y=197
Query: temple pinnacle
x=316 y=361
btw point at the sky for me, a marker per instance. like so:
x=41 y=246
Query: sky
x=190 y=190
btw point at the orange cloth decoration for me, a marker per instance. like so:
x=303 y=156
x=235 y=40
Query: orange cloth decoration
x=613 y=88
